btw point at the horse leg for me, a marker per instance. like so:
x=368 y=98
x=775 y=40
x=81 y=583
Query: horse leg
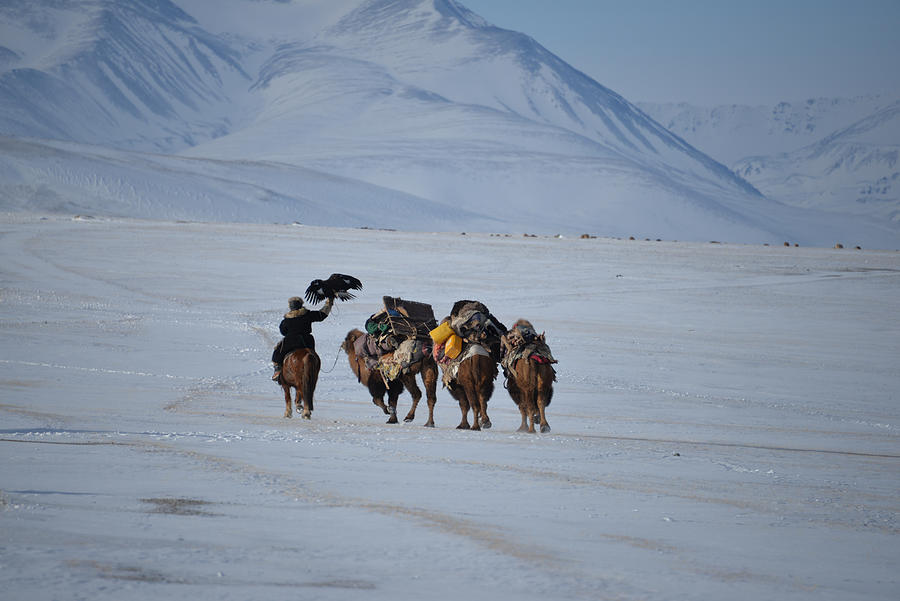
x=302 y=405
x=409 y=382
x=308 y=404
x=287 y=400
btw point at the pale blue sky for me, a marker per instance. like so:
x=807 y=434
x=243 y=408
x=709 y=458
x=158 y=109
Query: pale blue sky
x=717 y=51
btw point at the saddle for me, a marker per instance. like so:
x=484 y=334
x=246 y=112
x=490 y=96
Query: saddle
x=397 y=336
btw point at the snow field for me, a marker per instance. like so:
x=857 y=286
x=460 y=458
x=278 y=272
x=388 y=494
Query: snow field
x=724 y=421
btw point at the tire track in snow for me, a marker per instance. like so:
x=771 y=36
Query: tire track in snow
x=485 y=535
x=736 y=445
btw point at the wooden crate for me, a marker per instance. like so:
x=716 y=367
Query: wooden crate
x=415 y=320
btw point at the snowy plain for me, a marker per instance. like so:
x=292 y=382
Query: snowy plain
x=725 y=421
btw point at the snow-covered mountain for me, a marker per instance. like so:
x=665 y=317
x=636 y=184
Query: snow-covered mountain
x=65 y=177
x=130 y=74
x=426 y=98
x=421 y=100
x=733 y=132
x=838 y=155
x=854 y=170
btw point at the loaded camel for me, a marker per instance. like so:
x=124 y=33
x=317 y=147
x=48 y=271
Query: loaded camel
x=473 y=387
x=528 y=365
x=469 y=376
x=373 y=380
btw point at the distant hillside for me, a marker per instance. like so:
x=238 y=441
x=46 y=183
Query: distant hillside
x=65 y=177
x=854 y=170
x=733 y=132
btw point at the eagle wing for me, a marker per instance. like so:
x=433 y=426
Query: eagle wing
x=338 y=285
x=341 y=284
x=317 y=291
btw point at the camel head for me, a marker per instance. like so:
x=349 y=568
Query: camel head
x=347 y=344
x=523 y=322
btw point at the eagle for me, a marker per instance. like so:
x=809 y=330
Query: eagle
x=337 y=285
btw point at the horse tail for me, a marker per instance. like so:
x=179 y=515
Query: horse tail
x=310 y=377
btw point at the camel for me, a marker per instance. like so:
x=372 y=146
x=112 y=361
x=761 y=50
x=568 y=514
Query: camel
x=528 y=367
x=300 y=370
x=371 y=379
x=473 y=386
x=530 y=384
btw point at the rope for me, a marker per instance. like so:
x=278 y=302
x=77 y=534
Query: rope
x=338 y=354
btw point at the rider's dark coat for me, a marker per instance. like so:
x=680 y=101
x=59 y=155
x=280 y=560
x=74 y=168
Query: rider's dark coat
x=296 y=327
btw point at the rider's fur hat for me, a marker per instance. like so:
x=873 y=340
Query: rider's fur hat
x=295 y=303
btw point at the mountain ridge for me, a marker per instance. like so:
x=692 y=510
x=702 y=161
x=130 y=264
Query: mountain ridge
x=732 y=132
x=855 y=169
x=419 y=97
x=134 y=75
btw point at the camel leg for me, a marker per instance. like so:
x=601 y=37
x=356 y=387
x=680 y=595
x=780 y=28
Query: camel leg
x=379 y=402
x=531 y=408
x=416 y=393
x=484 y=420
x=430 y=422
x=524 y=426
x=412 y=411
x=545 y=427
x=429 y=379
x=464 y=408
x=392 y=403
x=287 y=400
x=475 y=403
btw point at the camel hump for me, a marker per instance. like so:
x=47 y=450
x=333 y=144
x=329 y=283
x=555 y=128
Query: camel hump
x=523 y=341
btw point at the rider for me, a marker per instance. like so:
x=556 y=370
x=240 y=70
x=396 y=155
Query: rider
x=296 y=327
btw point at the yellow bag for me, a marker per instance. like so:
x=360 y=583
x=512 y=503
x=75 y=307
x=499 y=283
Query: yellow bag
x=441 y=333
x=453 y=347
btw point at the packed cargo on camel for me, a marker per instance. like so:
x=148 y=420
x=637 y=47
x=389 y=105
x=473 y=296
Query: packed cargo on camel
x=467 y=347
x=393 y=350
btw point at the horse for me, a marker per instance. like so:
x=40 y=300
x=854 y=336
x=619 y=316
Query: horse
x=300 y=370
x=372 y=379
x=530 y=384
x=473 y=386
